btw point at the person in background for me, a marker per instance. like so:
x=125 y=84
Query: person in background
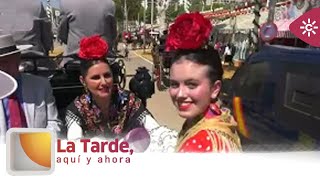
x=28 y=23
x=228 y=54
x=82 y=18
x=218 y=47
x=195 y=83
x=32 y=105
x=163 y=37
x=127 y=39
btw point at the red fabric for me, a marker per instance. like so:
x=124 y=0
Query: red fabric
x=126 y=35
x=17 y=116
x=198 y=143
x=203 y=142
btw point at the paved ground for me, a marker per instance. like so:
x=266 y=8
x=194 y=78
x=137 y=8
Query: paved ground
x=160 y=104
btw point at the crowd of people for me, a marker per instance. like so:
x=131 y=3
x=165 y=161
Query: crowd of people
x=106 y=111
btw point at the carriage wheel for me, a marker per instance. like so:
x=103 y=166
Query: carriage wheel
x=122 y=74
x=165 y=77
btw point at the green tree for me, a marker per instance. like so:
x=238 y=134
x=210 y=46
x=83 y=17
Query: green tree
x=134 y=7
x=196 y=5
x=174 y=10
x=155 y=12
x=148 y=14
x=218 y=5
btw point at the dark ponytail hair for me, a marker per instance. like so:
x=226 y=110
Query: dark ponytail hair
x=209 y=57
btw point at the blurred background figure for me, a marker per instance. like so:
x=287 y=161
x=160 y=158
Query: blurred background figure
x=81 y=18
x=163 y=37
x=27 y=21
x=142 y=85
x=127 y=39
x=228 y=54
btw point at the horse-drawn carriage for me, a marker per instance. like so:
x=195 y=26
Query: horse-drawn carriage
x=161 y=68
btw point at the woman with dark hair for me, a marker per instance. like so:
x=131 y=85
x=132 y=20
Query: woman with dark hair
x=195 y=83
x=104 y=110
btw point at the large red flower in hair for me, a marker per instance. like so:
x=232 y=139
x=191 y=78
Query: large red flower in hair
x=189 y=31
x=93 y=47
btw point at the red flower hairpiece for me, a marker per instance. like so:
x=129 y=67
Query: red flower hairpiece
x=189 y=31
x=93 y=47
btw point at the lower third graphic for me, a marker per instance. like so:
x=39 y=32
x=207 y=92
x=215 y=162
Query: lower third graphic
x=30 y=151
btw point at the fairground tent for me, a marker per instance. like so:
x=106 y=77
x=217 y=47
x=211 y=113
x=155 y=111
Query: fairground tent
x=244 y=23
x=240 y=23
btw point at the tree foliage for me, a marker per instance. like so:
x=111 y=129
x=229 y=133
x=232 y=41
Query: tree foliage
x=133 y=6
x=200 y=5
x=148 y=14
x=174 y=10
x=136 y=11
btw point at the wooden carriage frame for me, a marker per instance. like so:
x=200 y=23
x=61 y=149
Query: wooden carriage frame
x=161 y=67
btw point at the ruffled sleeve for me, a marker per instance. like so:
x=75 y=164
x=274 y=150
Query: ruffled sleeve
x=74 y=123
x=162 y=138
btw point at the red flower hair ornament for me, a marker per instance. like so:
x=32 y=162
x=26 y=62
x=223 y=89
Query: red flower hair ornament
x=189 y=31
x=92 y=48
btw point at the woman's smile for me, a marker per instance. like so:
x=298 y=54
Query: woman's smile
x=105 y=89
x=184 y=106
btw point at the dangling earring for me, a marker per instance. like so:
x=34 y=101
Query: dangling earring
x=85 y=89
x=214 y=107
x=87 y=93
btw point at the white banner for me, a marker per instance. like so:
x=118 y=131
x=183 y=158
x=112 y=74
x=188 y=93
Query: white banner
x=299 y=165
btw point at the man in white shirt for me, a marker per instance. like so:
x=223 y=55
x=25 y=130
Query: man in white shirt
x=228 y=55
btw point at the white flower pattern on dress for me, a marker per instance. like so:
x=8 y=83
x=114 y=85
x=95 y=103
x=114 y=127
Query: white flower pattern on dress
x=163 y=140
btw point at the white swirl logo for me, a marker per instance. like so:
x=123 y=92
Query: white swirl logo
x=309 y=27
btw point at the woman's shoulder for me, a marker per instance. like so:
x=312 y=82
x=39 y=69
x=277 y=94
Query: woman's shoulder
x=212 y=134
x=73 y=107
x=206 y=140
x=72 y=104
